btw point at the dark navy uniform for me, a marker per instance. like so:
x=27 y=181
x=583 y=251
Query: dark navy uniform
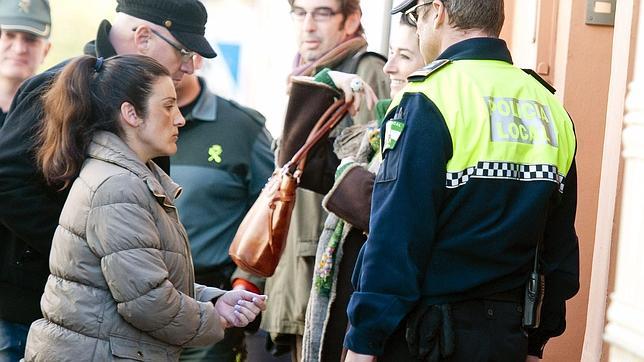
x=478 y=166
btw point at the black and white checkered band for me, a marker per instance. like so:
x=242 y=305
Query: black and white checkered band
x=508 y=171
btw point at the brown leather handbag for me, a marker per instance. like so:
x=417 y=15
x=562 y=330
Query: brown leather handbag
x=261 y=236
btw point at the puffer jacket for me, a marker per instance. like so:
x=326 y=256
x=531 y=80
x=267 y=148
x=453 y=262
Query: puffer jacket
x=122 y=281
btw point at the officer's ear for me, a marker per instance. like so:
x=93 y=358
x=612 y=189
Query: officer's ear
x=440 y=14
x=142 y=37
x=45 y=50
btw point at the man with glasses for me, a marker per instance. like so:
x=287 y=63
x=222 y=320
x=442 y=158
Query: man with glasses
x=330 y=35
x=170 y=31
x=473 y=208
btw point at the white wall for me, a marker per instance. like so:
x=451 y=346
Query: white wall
x=524 y=33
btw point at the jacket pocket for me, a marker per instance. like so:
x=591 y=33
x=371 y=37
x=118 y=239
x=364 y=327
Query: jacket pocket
x=307 y=247
x=127 y=348
x=389 y=167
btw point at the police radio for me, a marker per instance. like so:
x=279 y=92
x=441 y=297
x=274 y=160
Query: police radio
x=533 y=297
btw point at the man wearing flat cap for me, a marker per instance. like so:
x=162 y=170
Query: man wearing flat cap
x=24 y=42
x=170 y=31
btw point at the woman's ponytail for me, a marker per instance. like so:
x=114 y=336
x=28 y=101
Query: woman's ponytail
x=66 y=128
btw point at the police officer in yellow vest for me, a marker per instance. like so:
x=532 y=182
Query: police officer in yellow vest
x=473 y=206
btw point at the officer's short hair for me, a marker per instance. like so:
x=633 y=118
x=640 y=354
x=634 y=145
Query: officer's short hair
x=347 y=7
x=487 y=15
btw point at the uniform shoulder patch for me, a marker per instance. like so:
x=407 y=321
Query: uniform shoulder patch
x=427 y=70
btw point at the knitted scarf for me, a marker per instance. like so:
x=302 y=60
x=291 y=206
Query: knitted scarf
x=330 y=59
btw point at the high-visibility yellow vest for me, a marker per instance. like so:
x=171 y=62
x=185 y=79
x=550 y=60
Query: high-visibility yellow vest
x=509 y=129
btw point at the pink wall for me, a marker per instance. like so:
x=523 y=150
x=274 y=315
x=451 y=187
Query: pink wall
x=579 y=59
x=585 y=60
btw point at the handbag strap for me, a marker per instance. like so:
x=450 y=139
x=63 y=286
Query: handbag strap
x=323 y=126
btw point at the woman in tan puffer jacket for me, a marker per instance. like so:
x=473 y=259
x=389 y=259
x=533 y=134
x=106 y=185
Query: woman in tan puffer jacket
x=122 y=281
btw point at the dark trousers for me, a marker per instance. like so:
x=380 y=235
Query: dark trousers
x=486 y=331
x=13 y=337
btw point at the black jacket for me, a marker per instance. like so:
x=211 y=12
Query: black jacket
x=29 y=209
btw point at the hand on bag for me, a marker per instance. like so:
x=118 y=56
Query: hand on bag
x=237 y=308
x=355 y=89
x=357 y=357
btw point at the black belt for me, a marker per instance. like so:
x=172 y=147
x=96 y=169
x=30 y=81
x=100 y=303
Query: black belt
x=514 y=295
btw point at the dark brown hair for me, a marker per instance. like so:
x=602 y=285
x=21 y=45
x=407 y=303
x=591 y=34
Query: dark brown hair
x=86 y=97
x=487 y=15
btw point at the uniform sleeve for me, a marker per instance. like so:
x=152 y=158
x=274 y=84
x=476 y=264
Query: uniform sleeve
x=28 y=207
x=407 y=195
x=560 y=263
x=123 y=233
x=370 y=70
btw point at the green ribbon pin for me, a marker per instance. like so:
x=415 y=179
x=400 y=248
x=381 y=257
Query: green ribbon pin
x=215 y=152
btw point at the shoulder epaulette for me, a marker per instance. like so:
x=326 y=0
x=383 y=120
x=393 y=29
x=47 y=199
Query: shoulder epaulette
x=251 y=113
x=540 y=80
x=425 y=72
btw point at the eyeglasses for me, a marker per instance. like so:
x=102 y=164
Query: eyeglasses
x=186 y=55
x=412 y=13
x=318 y=14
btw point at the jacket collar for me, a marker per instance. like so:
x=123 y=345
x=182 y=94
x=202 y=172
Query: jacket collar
x=101 y=47
x=206 y=107
x=478 y=49
x=108 y=147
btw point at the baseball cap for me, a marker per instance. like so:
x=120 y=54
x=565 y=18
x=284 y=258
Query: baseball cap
x=31 y=16
x=184 y=19
x=403 y=6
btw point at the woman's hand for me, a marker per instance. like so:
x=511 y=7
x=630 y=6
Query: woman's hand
x=237 y=308
x=355 y=89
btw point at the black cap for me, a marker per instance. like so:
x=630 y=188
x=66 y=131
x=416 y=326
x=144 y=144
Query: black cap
x=185 y=19
x=403 y=6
